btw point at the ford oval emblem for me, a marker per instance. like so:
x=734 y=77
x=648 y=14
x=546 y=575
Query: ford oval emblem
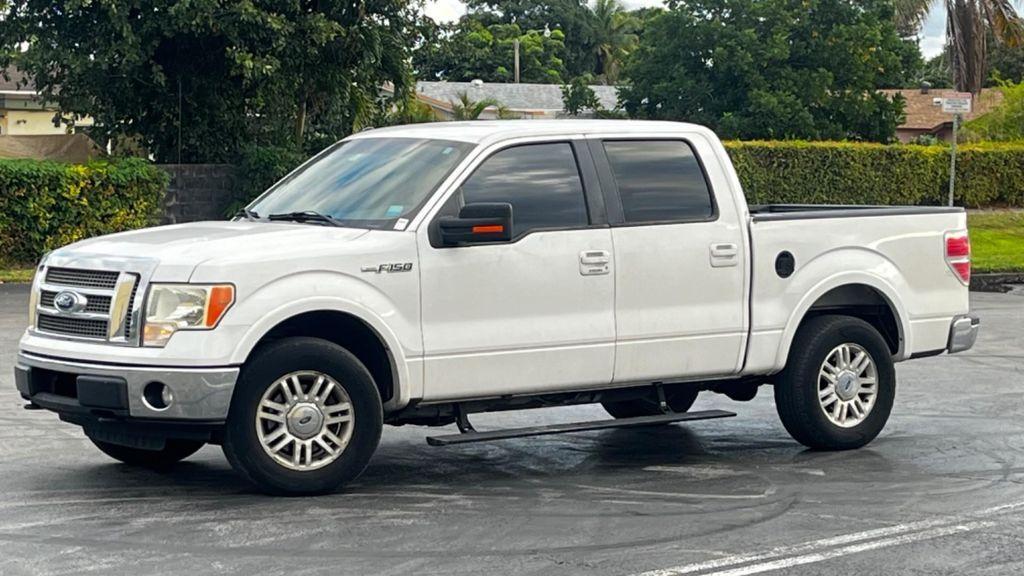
x=69 y=301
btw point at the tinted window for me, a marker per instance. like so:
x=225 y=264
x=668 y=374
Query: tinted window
x=659 y=181
x=541 y=181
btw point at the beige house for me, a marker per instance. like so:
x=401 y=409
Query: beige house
x=23 y=113
x=924 y=115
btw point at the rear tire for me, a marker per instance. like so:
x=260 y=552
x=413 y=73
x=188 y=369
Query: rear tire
x=305 y=418
x=173 y=452
x=678 y=400
x=839 y=385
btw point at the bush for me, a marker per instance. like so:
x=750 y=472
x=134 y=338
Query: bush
x=44 y=205
x=853 y=173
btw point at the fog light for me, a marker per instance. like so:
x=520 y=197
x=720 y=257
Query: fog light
x=157 y=396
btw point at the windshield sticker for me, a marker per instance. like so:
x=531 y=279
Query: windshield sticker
x=394 y=210
x=401 y=224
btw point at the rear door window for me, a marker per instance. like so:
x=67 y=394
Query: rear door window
x=659 y=181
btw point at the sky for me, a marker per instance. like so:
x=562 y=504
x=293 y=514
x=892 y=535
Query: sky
x=931 y=36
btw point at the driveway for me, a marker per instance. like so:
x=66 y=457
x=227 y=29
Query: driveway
x=940 y=491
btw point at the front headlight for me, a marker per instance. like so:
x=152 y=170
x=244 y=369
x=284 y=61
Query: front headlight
x=173 y=307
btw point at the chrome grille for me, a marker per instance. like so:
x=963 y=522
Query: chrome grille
x=105 y=309
x=82 y=278
x=97 y=304
x=82 y=327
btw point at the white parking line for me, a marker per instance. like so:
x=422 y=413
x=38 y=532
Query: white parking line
x=843 y=545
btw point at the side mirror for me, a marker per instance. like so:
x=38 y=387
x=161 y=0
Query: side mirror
x=478 y=223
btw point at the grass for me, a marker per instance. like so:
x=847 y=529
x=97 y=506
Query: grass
x=997 y=240
x=16 y=273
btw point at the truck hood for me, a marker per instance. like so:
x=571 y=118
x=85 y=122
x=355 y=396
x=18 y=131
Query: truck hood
x=175 y=251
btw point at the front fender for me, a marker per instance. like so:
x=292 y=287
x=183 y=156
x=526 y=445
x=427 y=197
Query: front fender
x=395 y=322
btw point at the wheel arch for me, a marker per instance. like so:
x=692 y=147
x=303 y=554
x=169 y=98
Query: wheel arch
x=858 y=294
x=355 y=328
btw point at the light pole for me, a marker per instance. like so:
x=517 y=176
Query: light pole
x=515 y=49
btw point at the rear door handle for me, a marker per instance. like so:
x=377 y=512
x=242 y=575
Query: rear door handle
x=594 y=262
x=724 y=255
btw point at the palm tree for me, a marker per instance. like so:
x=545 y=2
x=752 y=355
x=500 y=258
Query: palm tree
x=614 y=37
x=468 y=109
x=967 y=23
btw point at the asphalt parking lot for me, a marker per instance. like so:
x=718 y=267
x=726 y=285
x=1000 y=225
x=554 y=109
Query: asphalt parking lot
x=941 y=491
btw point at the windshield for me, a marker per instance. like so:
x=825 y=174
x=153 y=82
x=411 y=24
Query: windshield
x=367 y=182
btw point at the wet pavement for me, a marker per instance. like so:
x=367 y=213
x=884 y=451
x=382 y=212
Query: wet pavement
x=941 y=491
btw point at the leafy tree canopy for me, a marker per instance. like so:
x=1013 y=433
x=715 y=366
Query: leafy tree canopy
x=1006 y=122
x=770 y=68
x=469 y=50
x=200 y=79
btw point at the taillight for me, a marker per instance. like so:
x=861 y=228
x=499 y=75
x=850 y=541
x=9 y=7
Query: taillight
x=958 y=255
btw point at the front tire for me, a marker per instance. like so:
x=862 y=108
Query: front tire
x=173 y=452
x=305 y=418
x=839 y=385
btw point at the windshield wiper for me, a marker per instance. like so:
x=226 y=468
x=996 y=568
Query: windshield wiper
x=247 y=214
x=307 y=216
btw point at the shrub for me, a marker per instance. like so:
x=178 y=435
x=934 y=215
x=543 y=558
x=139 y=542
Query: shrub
x=855 y=173
x=44 y=205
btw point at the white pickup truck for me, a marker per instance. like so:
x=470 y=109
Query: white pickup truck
x=418 y=274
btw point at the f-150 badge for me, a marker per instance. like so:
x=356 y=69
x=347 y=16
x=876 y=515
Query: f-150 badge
x=399 y=267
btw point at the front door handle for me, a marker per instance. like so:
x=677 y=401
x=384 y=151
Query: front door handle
x=595 y=262
x=724 y=255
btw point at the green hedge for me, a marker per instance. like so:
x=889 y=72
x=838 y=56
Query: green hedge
x=44 y=205
x=854 y=173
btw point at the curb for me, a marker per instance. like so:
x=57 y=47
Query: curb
x=995 y=282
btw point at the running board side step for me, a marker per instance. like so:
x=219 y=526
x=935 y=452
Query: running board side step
x=474 y=436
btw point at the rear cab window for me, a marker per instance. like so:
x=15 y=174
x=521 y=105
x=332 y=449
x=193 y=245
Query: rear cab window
x=659 y=181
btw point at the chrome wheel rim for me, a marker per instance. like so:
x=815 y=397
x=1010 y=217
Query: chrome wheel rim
x=304 y=420
x=847 y=385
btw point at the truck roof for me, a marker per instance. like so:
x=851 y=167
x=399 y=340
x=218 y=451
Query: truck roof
x=478 y=131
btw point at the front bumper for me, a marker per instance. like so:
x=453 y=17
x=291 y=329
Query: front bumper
x=75 y=388
x=963 y=331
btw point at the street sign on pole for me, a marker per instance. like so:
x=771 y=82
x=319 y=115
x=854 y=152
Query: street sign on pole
x=957 y=103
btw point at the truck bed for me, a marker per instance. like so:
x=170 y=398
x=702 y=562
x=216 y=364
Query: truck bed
x=895 y=255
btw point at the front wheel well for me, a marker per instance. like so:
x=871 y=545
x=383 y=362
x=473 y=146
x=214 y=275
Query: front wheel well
x=864 y=302
x=347 y=331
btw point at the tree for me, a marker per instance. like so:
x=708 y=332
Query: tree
x=968 y=23
x=614 y=37
x=769 y=68
x=1006 y=122
x=465 y=108
x=198 y=81
x=578 y=96
x=570 y=17
x=469 y=50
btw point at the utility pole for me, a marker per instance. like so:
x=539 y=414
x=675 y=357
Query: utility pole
x=515 y=46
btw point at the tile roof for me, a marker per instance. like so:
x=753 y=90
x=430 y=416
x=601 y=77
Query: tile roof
x=924 y=114
x=514 y=96
x=13 y=80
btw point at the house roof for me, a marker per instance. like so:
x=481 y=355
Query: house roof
x=14 y=80
x=520 y=97
x=923 y=113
